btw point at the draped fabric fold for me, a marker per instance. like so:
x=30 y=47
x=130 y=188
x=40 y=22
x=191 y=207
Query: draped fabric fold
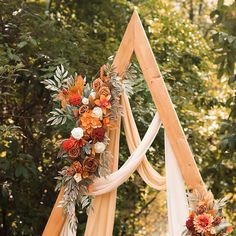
x=66 y=230
x=114 y=180
x=148 y=174
x=176 y=196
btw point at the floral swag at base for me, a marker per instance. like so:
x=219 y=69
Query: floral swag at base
x=206 y=216
x=92 y=109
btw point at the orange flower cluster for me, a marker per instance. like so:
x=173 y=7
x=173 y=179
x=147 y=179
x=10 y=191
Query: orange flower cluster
x=207 y=219
x=73 y=95
x=92 y=113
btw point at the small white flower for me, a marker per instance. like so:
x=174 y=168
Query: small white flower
x=77 y=177
x=77 y=133
x=99 y=147
x=97 y=111
x=93 y=94
x=85 y=101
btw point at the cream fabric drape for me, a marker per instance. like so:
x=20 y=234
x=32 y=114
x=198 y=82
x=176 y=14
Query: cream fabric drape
x=114 y=180
x=148 y=174
x=177 y=204
x=66 y=230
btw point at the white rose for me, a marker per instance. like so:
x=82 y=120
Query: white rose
x=97 y=111
x=93 y=95
x=85 y=101
x=99 y=147
x=77 y=133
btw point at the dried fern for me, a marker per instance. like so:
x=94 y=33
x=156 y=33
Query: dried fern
x=105 y=163
x=60 y=80
x=73 y=195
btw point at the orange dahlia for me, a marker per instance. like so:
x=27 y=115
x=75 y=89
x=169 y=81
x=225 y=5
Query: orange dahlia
x=75 y=99
x=203 y=223
x=89 y=122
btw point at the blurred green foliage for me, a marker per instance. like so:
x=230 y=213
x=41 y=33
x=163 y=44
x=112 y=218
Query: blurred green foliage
x=36 y=37
x=224 y=40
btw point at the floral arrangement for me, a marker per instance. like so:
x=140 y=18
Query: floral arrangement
x=92 y=108
x=206 y=216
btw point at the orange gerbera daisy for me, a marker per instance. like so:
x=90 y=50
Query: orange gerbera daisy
x=89 y=122
x=104 y=103
x=203 y=223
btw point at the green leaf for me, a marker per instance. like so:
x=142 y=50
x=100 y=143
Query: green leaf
x=22 y=44
x=19 y=170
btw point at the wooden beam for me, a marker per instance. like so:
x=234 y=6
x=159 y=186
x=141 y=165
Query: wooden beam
x=56 y=220
x=165 y=107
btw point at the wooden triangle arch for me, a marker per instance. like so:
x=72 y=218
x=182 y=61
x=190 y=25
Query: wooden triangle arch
x=135 y=41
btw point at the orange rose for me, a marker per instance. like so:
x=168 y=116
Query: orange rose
x=90 y=164
x=74 y=152
x=229 y=230
x=105 y=91
x=97 y=84
x=67 y=144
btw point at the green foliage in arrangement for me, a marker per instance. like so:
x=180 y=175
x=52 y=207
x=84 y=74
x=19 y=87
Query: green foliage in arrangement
x=35 y=38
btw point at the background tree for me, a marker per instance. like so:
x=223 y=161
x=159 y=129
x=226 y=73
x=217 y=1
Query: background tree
x=36 y=37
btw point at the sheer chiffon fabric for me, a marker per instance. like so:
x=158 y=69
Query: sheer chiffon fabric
x=177 y=204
